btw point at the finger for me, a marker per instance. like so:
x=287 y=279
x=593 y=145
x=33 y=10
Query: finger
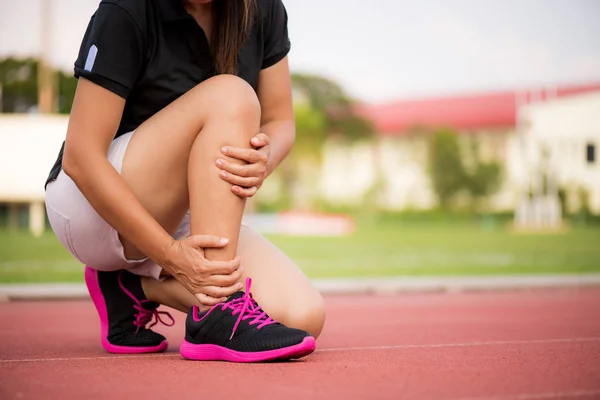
x=225 y=280
x=244 y=192
x=218 y=292
x=250 y=155
x=209 y=301
x=204 y=241
x=222 y=267
x=238 y=180
x=260 y=140
x=245 y=171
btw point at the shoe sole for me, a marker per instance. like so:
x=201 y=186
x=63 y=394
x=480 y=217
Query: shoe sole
x=212 y=352
x=91 y=281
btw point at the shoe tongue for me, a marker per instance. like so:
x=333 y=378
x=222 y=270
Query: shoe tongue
x=133 y=284
x=150 y=305
x=236 y=295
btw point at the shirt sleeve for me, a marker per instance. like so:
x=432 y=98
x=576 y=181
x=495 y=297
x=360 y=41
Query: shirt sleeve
x=111 y=53
x=277 y=43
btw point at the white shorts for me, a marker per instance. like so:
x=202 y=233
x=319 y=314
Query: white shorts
x=85 y=234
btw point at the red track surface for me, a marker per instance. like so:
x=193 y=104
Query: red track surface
x=513 y=345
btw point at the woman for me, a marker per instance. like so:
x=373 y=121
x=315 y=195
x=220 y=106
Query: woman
x=182 y=109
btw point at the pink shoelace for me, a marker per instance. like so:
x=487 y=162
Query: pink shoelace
x=144 y=316
x=247 y=308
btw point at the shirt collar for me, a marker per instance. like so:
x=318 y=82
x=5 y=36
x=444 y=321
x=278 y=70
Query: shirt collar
x=172 y=10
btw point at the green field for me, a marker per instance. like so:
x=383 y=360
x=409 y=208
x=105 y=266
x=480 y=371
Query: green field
x=377 y=249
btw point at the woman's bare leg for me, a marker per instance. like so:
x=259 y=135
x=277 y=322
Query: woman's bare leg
x=169 y=292
x=171 y=159
x=279 y=286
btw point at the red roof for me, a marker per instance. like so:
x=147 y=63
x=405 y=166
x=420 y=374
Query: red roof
x=492 y=110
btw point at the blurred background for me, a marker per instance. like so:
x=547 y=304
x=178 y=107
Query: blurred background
x=434 y=137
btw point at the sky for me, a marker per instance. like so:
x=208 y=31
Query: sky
x=381 y=50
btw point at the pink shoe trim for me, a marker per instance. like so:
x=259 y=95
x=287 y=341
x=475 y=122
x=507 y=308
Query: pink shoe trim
x=91 y=280
x=212 y=352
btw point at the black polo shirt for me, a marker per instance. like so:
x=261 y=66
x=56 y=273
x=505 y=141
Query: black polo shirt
x=150 y=52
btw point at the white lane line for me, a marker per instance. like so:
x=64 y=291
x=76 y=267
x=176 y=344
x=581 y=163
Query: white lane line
x=467 y=344
x=536 y=396
x=114 y=357
x=407 y=346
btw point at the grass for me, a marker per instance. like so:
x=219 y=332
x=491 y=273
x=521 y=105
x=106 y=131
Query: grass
x=388 y=248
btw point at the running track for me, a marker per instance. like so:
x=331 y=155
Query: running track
x=493 y=345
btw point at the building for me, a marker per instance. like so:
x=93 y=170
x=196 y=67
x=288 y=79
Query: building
x=396 y=163
x=553 y=133
x=560 y=141
x=29 y=145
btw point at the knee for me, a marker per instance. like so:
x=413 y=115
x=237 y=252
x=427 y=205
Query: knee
x=233 y=97
x=308 y=315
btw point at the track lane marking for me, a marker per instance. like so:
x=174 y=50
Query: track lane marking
x=365 y=348
x=540 y=396
x=466 y=344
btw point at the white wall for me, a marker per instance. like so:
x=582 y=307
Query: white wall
x=565 y=126
x=401 y=164
x=29 y=145
x=350 y=172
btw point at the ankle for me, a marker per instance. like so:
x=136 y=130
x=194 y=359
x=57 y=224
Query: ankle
x=202 y=307
x=147 y=284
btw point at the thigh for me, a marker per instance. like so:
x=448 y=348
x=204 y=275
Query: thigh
x=81 y=230
x=279 y=285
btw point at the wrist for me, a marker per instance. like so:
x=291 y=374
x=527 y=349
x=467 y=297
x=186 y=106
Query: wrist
x=271 y=164
x=166 y=254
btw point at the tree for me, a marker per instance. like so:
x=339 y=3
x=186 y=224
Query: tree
x=67 y=84
x=19 y=83
x=450 y=174
x=329 y=98
x=307 y=151
x=310 y=131
x=483 y=180
x=325 y=112
x=322 y=93
x=445 y=166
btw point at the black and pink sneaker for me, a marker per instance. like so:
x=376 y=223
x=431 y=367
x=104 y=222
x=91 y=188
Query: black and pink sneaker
x=123 y=316
x=239 y=330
